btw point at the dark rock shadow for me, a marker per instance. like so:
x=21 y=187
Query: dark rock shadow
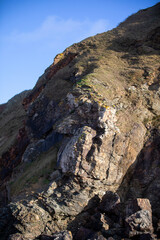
x=83 y=218
x=142 y=179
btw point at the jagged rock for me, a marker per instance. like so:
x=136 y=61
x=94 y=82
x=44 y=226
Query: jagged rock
x=65 y=235
x=73 y=157
x=143 y=181
x=16 y=236
x=30 y=219
x=139 y=223
x=138 y=204
x=139 y=217
x=33 y=150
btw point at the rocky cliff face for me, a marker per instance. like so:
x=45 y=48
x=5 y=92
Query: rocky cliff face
x=80 y=152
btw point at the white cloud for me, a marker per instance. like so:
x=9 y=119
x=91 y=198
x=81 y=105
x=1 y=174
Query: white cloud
x=54 y=28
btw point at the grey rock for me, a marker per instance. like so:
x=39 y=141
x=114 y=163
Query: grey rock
x=139 y=223
x=64 y=235
x=31 y=219
x=138 y=204
x=36 y=148
x=73 y=157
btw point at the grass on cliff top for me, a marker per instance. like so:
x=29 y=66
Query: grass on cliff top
x=35 y=174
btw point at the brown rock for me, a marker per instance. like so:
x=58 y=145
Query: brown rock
x=138 y=204
x=30 y=219
x=16 y=236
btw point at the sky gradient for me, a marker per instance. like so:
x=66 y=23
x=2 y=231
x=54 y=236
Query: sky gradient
x=32 y=32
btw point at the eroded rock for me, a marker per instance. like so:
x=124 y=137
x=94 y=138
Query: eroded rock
x=139 y=223
x=138 y=204
x=31 y=219
x=139 y=217
x=73 y=157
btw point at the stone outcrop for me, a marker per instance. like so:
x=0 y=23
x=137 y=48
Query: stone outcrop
x=82 y=162
x=139 y=217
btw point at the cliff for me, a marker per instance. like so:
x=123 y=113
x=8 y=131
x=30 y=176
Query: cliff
x=79 y=153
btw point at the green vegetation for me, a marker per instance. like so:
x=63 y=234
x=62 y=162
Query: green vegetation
x=145 y=121
x=35 y=173
x=90 y=86
x=84 y=82
x=156 y=121
x=11 y=120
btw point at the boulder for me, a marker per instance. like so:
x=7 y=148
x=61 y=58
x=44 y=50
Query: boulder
x=138 y=217
x=139 y=223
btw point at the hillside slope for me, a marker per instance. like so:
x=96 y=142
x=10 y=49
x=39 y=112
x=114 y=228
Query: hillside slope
x=82 y=161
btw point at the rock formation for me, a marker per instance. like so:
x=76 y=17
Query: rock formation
x=80 y=152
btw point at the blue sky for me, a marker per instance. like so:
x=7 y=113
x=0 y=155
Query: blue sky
x=32 y=32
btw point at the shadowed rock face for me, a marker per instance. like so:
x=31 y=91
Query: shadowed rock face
x=11 y=158
x=13 y=140
x=2 y=107
x=80 y=152
x=143 y=180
